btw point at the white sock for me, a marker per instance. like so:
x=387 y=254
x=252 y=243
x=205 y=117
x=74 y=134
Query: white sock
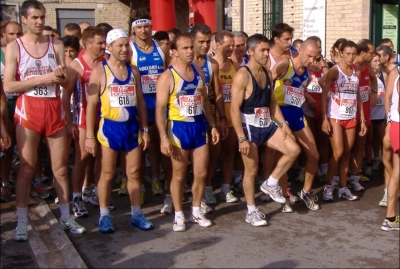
x=272 y=181
x=196 y=210
x=225 y=188
x=22 y=214
x=251 y=208
x=76 y=194
x=324 y=168
x=135 y=209
x=179 y=214
x=64 y=210
x=104 y=211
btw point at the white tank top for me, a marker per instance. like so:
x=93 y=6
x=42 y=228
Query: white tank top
x=30 y=67
x=378 y=111
x=394 y=113
x=273 y=61
x=343 y=101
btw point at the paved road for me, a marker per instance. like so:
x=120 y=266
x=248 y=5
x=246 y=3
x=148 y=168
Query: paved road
x=342 y=234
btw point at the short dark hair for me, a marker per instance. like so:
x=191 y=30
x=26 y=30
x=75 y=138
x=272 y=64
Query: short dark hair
x=386 y=50
x=348 y=44
x=47 y=28
x=26 y=5
x=174 y=43
x=141 y=13
x=279 y=29
x=55 y=31
x=72 y=27
x=219 y=36
x=90 y=32
x=105 y=27
x=362 y=45
x=71 y=41
x=385 y=40
x=254 y=40
x=298 y=41
x=161 y=35
x=338 y=44
x=202 y=28
x=175 y=31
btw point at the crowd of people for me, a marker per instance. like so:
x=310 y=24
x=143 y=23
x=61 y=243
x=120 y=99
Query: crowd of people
x=254 y=105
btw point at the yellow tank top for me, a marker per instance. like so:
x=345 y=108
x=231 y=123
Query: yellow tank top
x=225 y=84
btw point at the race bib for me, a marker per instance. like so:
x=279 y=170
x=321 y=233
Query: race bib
x=226 y=92
x=262 y=117
x=364 y=92
x=314 y=87
x=42 y=91
x=348 y=105
x=122 y=95
x=190 y=105
x=149 y=83
x=381 y=95
x=294 y=96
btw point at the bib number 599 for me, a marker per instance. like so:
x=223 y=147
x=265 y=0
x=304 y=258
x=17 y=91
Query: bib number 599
x=40 y=90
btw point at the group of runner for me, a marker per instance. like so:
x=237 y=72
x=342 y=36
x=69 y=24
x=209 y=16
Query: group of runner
x=259 y=104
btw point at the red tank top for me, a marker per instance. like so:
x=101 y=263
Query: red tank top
x=81 y=85
x=313 y=88
x=365 y=92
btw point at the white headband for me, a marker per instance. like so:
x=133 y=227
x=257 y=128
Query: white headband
x=141 y=21
x=115 y=34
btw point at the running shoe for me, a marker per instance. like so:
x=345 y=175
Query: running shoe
x=21 y=232
x=86 y=194
x=275 y=192
x=200 y=219
x=179 y=224
x=256 y=218
x=292 y=198
x=345 y=193
x=383 y=202
x=209 y=197
x=39 y=190
x=286 y=208
x=328 y=192
x=391 y=226
x=139 y=220
x=228 y=197
x=264 y=197
x=122 y=189
x=78 y=207
x=355 y=184
x=94 y=199
x=6 y=193
x=310 y=199
x=167 y=205
x=375 y=164
x=105 y=225
x=71 y=225
x=156 y=188
x=204 y=208
x=368 y=171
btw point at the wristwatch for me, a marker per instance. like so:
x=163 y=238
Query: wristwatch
x=280 y=124
x=374 y=91
x=361 y=121
x=241 y=139
x=145 y=130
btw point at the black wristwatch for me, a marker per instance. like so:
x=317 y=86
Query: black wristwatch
x=146 y=130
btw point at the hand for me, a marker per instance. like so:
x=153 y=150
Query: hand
x=223 y=129
x=60 y=71
x=215 y=137
x=287 y=132
x=326 y=126
x=145 y=140
x=5 y=140
x=166 y=147
x=50 y=79
x=363 y=129
x=244 y=147
x=91 y=146
x=72 y=130
x=373 y=98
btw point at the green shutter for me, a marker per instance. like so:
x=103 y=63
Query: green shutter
x=272 y=14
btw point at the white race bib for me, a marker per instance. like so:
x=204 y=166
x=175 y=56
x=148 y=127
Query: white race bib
x=314 y=87
x=381 y=95
x=226 y=91
x=42 y=91
x=190 y=105
x=149 y=83
x=364 y=92
x=348 y=104
x=122 y=95
x=294 y=96
x=262 y=117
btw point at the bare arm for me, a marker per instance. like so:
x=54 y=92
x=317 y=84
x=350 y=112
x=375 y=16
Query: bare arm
x=239 y=84
x=326 y=85
x=73 y=75
x=219 y=101
x=374 y=86
x=389 y=89
x=279 y=70
x=61 y=70
x=5 y=141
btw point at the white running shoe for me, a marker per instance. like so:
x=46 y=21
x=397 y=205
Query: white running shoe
x=200 y=219
x=256 y=218
x=179 y=224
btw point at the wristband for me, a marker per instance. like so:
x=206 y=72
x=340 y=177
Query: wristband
x=90 y=137
x=214 y=126
x=241 y=139
x=374 y=91
x=162 y=138
x=363 y=121
x=145 y=130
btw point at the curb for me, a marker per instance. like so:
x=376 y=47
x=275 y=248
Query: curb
x=49 y=244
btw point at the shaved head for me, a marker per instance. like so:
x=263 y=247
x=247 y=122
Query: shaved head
x=12 y=30
x=309 y=44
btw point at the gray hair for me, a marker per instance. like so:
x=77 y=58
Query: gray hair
x=386 y=50
x=239 y=34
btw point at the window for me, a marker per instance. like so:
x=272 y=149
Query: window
x=9 y=12
x=65 y=16
x=272 y=14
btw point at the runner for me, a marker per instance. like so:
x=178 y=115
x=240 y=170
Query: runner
x=386 y=54
x=201 y=35
x=395 y=57
x=252 y=106
x=39 y=111
x=181 y=90
x=368 y=92
x=5 y=140
x=79 y=71
x=152 y=62
x=231 y=162
x=239 y=53
x=291 y=80
x=116 y=83
x=392 y=222
x=339 y=117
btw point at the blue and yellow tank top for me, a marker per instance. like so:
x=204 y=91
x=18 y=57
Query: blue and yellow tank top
x=289 y=89
x=209 y=76
x=185 y=103
x=118 y=99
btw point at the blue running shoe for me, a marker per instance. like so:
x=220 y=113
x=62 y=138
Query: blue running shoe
x=138 y=220
x=105 y=225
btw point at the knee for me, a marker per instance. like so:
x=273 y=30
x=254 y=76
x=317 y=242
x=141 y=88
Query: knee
x=337 y=153
x=313 y=155
x=26 y=170
x=294 y=151
x=107 y=175
x=133 y=173
x=60 y=171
